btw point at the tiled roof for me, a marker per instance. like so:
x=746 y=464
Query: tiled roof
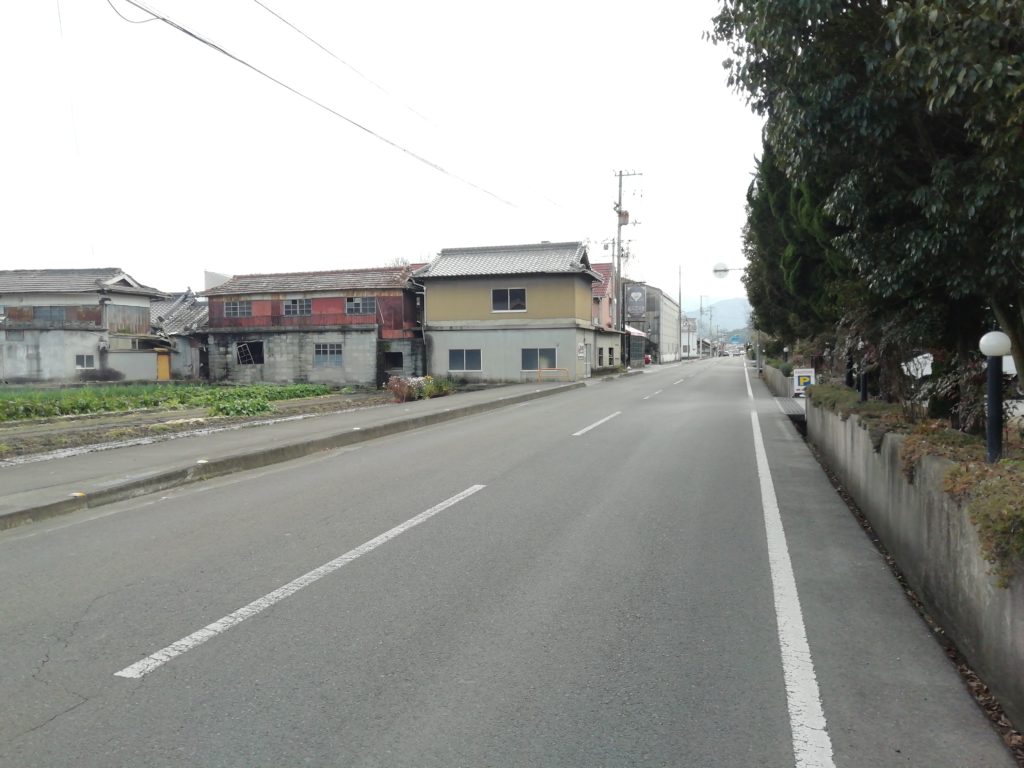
x=297 y=282
x=184 y=313
x=537 y=258
x=109 y=279
x=603 y=288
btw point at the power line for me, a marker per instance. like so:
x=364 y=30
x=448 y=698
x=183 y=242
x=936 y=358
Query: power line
x=333 y=55
x=195 y=36
x=130 y=21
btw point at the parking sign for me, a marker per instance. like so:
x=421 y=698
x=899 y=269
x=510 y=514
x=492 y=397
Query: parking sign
x=802 y=378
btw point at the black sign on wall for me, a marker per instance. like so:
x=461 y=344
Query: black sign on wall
x=636 y=302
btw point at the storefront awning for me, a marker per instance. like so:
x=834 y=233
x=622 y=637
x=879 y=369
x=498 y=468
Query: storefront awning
x=635 y=331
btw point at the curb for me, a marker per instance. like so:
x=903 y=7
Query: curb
x=256 y=459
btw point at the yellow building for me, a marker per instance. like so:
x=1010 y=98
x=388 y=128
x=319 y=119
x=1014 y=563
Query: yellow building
x=510 y=313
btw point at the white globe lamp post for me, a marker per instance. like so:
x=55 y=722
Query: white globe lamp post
x=994 y=345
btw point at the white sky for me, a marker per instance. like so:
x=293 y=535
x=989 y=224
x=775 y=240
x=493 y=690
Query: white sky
x=136 y=146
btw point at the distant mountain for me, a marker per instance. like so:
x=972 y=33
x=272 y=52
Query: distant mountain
x=725 y=316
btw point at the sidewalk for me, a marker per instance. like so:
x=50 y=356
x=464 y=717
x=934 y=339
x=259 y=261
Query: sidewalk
x=38 y=490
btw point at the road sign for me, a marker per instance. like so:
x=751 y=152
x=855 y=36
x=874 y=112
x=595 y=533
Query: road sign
x=735 y=339
x=802 y=378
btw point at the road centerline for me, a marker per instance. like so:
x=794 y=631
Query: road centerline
x=596 y=424
x=161 y=657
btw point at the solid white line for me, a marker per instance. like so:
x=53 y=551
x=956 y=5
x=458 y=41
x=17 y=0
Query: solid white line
x=161 y=657
x=596 y=424
x=812 y=746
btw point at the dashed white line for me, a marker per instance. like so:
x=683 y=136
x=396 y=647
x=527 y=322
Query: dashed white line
x=161 y=657
x=653 y=394
x=596 y=424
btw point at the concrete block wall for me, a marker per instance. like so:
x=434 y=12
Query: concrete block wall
x=936 y=546
x=288 y=358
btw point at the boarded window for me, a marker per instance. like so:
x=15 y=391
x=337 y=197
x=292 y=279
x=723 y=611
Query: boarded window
x=49 y=315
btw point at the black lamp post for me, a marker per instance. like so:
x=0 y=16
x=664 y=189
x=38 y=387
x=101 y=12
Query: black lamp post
x=994 y=345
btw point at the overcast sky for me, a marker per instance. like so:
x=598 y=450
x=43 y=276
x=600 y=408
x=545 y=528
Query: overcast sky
x=451 y=124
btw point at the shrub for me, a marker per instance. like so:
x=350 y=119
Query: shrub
x=415 y=387
x=437 y=387
x=992 y=494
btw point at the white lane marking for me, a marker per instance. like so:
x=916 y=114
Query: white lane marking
x=812 y=746
x=653 y=394
x=678 y=382
x=161 y=657
x=746 y=377
x=596 y=424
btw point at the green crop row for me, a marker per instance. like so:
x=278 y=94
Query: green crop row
x=24 y=403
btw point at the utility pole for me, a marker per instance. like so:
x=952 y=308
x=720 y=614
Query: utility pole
x=623 y=219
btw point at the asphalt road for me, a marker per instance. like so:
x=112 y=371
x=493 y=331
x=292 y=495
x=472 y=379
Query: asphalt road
x=599 y=578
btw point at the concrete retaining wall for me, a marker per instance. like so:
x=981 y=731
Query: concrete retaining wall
x=780 y=386
x=936 y=547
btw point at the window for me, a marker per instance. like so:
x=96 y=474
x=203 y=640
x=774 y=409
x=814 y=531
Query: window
x=327 y=355
x=508 y=300
x=393 y=361
x=83 y=362
x=361 y=305
x=535 y=359
x=48 y=314
x=600 y=357
x=237 y=309
x=611 y=355
x=298 y=307
x=464 y=360
x=249 y=352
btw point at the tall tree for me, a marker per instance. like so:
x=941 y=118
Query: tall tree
x=915 y=109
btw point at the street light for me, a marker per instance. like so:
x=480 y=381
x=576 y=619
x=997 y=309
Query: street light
x=994 y=345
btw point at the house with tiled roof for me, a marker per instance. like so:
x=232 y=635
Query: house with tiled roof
x=510 y=313
x=181 y=319
x=354 y=326
x=61 y=325
x=608 y=336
